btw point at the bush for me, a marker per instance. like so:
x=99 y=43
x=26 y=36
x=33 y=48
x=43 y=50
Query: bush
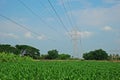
x=10 y=57
x=52 y=54
x=64 y=56
x=96 y=55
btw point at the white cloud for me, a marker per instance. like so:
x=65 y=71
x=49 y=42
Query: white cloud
x=28 y=35
x=97 y=16
x=12 y=35
x=107 y=28
x=42 y=37
x=9 y=35
x=86 y=34
x=7 y=26
x=78 y=34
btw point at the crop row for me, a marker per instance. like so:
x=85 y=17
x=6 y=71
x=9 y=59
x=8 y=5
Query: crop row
x=60 y=70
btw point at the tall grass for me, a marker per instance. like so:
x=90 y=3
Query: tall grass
x=10 y=57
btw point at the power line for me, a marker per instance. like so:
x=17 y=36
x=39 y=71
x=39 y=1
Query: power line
x=71 y=15
x=36 y=15
x=71 y=18
x=49 y=11
x=16 y=23
x=70 y=21
x=40 y=18
x=20 y=25
x=58 y=15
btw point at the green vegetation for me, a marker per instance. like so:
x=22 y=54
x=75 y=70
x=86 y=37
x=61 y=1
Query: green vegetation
x=60 y=70
x=26 y=50
x=10 y=57
x=8 y=49
x=114 y=57
x=53 y=54
x=23 y=50
x=64 y=56
x=96 y=55
x=15 y=66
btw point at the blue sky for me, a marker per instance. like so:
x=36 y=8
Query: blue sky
x=97 y=22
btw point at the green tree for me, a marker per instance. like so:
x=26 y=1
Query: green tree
x=8 y=49
x=28 y=51
x=64 y=56
x=110 y=57
x=96 y=55
x=52 y=54
x=117 y=56
x=44 y=56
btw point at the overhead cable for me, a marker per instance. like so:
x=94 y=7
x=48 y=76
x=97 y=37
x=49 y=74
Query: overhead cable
x=20 y=25
x=58 y=15
x=40 y=18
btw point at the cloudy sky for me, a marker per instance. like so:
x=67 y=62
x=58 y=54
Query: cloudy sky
x=46 y=27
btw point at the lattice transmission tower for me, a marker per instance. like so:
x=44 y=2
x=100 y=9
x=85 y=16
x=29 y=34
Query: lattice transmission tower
x=75 y=36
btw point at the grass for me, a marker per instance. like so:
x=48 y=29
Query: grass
x=9 y=57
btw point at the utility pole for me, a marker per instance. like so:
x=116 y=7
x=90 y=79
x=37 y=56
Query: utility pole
x=75 y=35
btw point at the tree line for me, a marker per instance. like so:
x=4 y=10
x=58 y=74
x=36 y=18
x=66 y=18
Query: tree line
x=26 y=50
x=114 y=57
x=100 y=54
x=54 y=54
x=22 y=50
x=96 y=55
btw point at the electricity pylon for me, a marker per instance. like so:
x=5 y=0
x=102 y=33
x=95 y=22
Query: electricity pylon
x=75 y=35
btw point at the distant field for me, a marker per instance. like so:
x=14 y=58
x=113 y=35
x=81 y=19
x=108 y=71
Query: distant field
x=60 y=70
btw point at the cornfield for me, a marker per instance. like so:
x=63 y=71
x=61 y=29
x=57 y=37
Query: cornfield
x=60 y=70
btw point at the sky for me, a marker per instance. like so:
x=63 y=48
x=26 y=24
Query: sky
x=38 y=24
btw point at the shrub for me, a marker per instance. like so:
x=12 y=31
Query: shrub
x=10 y=57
